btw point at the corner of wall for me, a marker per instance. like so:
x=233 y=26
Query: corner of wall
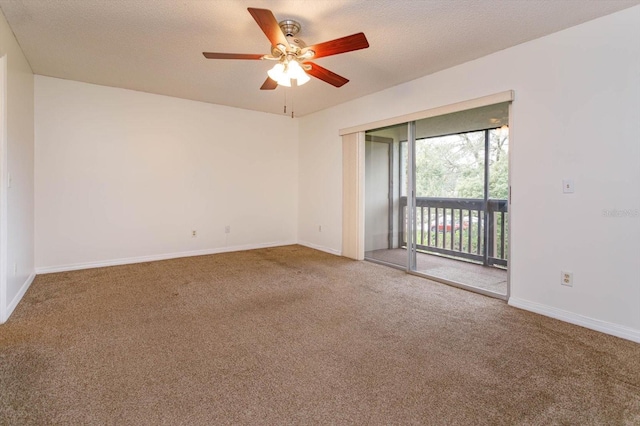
x=17 y=171
x=4 y=317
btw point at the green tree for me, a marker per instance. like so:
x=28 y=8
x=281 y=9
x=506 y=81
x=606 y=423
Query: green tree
x=453 y=166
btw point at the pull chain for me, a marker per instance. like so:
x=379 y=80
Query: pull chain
x=292 y=93
x=285 y=101
x=286 y=89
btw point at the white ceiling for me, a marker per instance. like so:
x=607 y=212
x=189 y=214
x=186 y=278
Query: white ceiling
x=156 y=45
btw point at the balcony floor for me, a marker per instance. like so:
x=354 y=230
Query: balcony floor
x=471 y=274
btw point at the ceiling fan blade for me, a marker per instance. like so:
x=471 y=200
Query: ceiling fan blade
x=340 y=45
x=214 y=55
x=269 y=25
x=325 y=75
x=269 y=84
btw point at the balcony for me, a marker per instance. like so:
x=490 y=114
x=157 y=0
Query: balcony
x=464 y=228
x=458 y=240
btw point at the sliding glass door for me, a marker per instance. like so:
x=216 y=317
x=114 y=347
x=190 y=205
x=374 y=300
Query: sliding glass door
x=436 y=198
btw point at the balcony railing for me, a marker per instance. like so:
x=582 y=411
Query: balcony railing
x=461 y=227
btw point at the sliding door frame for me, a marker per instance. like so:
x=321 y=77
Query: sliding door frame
x=353 y=182
x=411 y=198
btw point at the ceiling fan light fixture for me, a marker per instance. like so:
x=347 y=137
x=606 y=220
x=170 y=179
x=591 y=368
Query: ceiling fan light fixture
x=303 y=78
x=280 y=74
x=283 y=73
x=296 y=71
x=284 y=81
x=277 y=72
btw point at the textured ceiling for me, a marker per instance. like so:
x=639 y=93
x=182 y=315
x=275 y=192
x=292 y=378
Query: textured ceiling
x=156 y=45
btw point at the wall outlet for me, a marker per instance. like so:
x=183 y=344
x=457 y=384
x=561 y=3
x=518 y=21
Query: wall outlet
x=194 y=234
x=566 y=278
x=227 y=229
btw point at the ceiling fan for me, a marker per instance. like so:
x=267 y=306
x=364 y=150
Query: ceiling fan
x=292 y=55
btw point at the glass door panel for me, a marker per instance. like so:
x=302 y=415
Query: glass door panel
x=386 y=195
x=460 y=184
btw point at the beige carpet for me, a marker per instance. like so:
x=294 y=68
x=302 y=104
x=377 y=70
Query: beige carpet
x=294 y=336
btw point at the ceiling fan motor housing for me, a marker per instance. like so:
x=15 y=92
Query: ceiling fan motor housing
x=290 y=27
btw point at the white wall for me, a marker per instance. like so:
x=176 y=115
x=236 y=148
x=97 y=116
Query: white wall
x=124 y=176
x=576 y=115
x=19 y=163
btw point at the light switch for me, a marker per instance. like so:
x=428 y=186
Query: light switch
x=567 y=186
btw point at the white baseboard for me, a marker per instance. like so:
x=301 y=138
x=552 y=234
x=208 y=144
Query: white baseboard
x=321 y=248
x=17 y=298
x=153 y=258
x=570 y=317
